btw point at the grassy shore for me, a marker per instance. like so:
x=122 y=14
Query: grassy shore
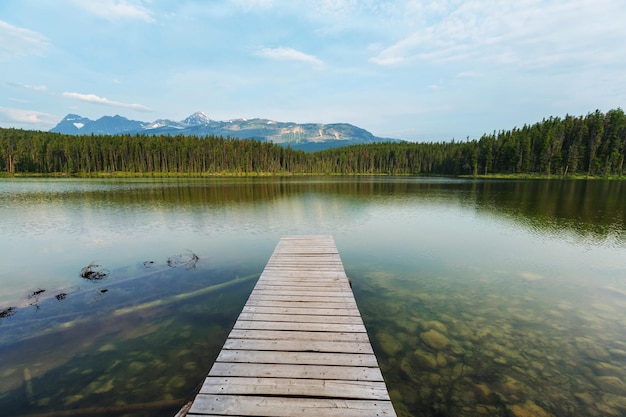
x=544 y=177
x=235 y=174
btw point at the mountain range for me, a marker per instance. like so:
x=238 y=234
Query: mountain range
x=307 y=136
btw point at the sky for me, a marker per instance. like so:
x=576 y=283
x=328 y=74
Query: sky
x=408 y=69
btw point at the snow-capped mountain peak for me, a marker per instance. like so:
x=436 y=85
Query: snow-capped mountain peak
x=308 y=136
x=164 y=123
x=198 y=118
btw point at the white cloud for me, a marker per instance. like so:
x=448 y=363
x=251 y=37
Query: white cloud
x=117 y=9
x=25 y=117
x=290 y=54
x=248 y=5
x=40 y=88
x=532 y=34
x=92 y=98
x=20 y=41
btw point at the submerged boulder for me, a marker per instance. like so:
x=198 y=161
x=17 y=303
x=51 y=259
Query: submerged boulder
x=389 y=344
x=425 y=360
x=435 y=340
x=528 y=409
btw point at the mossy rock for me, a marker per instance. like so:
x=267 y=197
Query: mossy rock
x=425 y=360
x=528 y=409
x=435 y=340
x=389 y=344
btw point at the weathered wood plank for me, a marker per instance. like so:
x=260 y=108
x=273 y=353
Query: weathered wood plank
x=299 y=304
x=324 y=336
x=348 y=373
x=307 y=327
x=308 y=311
x=298 y=346
x=295 y=274
x=302 y=288
x=296 y=293
x=304 y=358
x=308 y=298
x=300 y=318
x=295 y=387
x=248 y=405
x=304 y=279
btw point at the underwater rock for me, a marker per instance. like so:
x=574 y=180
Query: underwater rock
x=485 y=410
x=176 y=382
x=190 y=366
x=44 y=402
x=109 y=347
x=618 y=353
x=72 y=399
x=389 y=344
x=592 y=350
x=436 y=325
x=537 y=365
x=399 y=404
x=607 y=411
x=584 y=397
x=102 y=385
x=606 y=369
x=500 y=360
x=441 y=360
x=435 y=340
x=528 y=409
x=482 y=333
x=425 y=360
x=484 y=394
x=615 y=401
x=136 y=367
x=511 y=386
x=407 y=370
x=611 y=384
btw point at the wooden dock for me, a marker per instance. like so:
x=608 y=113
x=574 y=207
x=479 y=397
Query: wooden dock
x=299 y=347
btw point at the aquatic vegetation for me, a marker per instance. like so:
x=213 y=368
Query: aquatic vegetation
x=94 y=272
x=187 y=259
x=7 y=312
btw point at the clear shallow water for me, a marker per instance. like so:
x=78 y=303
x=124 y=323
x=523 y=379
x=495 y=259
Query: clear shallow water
x=480 y=297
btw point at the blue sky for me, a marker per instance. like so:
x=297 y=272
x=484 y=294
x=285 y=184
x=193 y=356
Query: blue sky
x=416 y=70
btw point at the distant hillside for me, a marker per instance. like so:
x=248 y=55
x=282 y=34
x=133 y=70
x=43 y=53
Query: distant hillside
x=308 y=137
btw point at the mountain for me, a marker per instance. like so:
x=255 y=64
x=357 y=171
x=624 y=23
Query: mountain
x=308 y=136
x=74 y=124
x=198 y=118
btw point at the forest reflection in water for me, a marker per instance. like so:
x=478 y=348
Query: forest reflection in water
x=480 y=297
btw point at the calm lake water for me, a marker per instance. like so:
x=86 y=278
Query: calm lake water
x=481 y=298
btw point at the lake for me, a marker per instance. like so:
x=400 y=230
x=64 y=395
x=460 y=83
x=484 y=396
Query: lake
x=481 y=297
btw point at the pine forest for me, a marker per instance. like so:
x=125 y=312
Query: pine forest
x=591 y=145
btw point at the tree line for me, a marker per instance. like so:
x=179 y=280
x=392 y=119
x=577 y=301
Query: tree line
x=594 y=144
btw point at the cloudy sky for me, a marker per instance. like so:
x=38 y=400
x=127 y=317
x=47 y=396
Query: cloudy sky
x=410 y=69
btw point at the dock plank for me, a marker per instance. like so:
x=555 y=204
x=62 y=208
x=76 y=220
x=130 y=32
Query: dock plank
x=244 y=405
x=299 y=346
x=300 y=318
x=293 y=387
x=315 y=336
x=309 y=327
x=347 y=373
x=306 y=358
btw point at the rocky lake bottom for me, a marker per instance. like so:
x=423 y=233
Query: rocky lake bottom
x=449 y=350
